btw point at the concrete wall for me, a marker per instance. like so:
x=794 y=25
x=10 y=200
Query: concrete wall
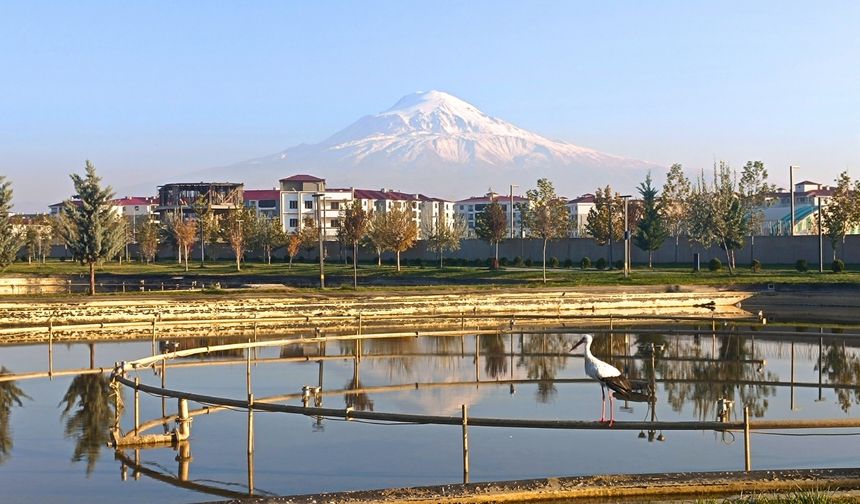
x=767 y=249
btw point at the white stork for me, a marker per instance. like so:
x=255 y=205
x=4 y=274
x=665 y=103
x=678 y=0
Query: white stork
x=608 y=376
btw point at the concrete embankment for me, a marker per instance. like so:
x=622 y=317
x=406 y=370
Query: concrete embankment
x=176 y=316
x=671 y=487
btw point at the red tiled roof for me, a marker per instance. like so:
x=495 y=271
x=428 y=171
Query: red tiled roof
x=261 y=194
x=302 y=178
x=500 y=197
x=585 y=198
x=135 y=200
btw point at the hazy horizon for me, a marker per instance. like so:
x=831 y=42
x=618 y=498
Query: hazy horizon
x=151 y=92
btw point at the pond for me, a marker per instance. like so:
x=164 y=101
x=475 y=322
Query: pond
x=54 y=445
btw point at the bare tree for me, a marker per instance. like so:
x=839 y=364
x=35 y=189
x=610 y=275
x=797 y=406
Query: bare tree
x=238 y=227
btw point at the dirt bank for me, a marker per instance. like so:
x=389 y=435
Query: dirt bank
x=139 y=316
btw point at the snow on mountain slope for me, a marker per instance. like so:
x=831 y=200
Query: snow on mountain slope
x=434 y=142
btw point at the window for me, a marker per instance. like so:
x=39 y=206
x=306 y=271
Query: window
x=309 y=204
x=294 y=205
x=266 y=203
x=335 y=205
x=294 y=222
x=136 y=208
x=335 y=223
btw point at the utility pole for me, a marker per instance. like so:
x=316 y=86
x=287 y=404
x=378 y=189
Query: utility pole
x=320 y=201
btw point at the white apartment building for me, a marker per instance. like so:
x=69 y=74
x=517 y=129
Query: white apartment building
x=299 y=195
x=469 y=209
x=135 y=208
x=579 y=208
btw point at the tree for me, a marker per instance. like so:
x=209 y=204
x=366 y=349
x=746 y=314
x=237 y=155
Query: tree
x=717 y=215
x=207 y=224
x=546 y=216
x=354 y=222
x=377 y=234
x=402 y=231
x=841 y=213
x=184 y=232
x=443 y=234
x=238 y=227
x=491 y=225
x=268 y=235
x=674 y=202
x=148 y=238
x=605 y=221
x=11 y=239
x=651 y=230
x=90 y=227
x=294 y=244
x=754 y=191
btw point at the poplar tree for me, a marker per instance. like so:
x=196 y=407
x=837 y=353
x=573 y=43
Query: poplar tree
x=546 y=216
x=842 y=213
x=11 y=239
x=90 y=227
x=238 y=227
x=491 y=225
x=754 y=190
x=377 y=234
x=651 y=230
x=148 y=238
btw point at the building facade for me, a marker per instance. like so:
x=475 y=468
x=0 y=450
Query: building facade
x=470 y=208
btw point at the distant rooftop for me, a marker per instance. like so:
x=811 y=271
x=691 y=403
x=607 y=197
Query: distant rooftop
x=302 y=178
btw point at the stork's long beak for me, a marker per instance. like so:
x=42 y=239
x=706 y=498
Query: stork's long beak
x=574 y=347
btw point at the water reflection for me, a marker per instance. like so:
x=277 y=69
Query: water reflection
x=10 y=395
x=359 y=401
x=543 y=356
x=89 y=411
x=841 y=367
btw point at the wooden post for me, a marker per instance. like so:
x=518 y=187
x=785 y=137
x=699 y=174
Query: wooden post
x=792 y=376
x=136 y=473
x=153 y=334
x=248 y=368
x=184 y=458
x=51 y=348
x=183 y=432
x=163 y=379
x=465 y=444
x=477 y=358
x=611 y=324
x=136 y=405
x=747 y=464
x=116 y=389
x=360 y=323
x=250 y=423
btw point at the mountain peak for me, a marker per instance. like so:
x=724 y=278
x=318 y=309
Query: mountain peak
x=427 y=101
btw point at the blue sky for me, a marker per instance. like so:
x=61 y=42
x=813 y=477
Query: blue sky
x=146 y=89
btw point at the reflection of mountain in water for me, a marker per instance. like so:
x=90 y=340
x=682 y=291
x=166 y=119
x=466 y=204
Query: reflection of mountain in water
x=10 y=395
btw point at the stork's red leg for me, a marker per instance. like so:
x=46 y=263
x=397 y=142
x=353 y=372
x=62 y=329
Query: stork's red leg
x=603 y=406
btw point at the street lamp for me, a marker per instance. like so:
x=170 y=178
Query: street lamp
x=791 y=182
x=626 y=199
x=820 y=239
x=320 y=200
x=512 y=210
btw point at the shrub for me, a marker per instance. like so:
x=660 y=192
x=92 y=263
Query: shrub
x=416 y=262
x=801 y=265
x=619 y=264
x=391 y=261
x=715 y=264
x=755 y=266
x=585 y=263
x=528 y=262
x=553 y=262
x=567 y=263
x=489 y=262
x=601 y=264
x=518 y=261
x=478 y=263
x=503 y=261
x=462 y=262
x=838 y=266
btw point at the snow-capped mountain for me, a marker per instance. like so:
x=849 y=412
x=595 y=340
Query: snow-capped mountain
x=435 y=143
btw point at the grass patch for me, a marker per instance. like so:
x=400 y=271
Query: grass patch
x=797 y=497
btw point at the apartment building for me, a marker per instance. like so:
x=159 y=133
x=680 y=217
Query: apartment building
x=579 y=208
x=470 y=208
